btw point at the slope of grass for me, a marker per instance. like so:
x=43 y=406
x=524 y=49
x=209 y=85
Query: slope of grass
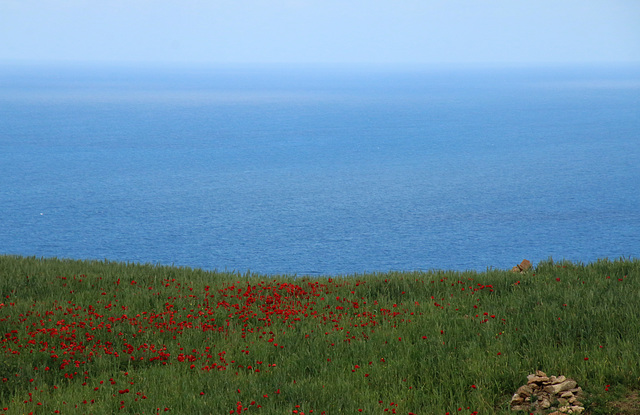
x=103 y=337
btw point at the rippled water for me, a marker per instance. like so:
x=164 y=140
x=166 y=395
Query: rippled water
x=320 y=171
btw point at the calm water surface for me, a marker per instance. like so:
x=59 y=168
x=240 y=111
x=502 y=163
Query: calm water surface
x=320 y=171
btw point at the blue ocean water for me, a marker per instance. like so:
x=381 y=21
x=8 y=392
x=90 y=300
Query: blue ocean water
x=315 y=171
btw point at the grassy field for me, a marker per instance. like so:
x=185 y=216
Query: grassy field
x=103 y=337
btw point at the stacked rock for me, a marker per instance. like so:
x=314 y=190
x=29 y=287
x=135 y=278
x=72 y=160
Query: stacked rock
x=523 y=267
x=543 y=393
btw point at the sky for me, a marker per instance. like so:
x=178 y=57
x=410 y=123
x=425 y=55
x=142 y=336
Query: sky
x=321 y=31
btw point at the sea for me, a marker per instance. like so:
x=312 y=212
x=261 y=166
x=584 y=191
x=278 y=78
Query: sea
x=320 y=170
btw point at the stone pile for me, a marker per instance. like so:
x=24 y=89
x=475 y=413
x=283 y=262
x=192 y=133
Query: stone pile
x=524 y=266
x=548 y=393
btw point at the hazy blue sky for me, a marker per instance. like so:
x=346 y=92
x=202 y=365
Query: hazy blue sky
x=321 y=31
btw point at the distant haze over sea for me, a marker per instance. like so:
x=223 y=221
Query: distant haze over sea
x=320 y=170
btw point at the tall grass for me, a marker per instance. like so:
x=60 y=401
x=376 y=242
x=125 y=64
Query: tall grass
x=104 y=337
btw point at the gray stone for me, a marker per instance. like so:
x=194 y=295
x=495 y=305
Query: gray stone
x=538 y=379
x=545 y=391
x=524 y=390
x=576 y=391
x=559 y=387
x=558 y=379
x=516 y=399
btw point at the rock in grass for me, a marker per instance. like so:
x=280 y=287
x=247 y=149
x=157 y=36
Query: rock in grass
x=522 y=267
x=559 y=379
x=559 y=387
x=525 y=391
x=537 y=380
x=544 y=390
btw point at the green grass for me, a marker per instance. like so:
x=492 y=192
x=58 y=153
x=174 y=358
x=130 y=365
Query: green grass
x=409 y=342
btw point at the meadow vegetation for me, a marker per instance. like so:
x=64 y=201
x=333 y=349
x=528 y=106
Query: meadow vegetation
x=104 y=337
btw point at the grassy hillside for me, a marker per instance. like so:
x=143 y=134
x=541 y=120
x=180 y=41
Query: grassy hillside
x=103 y=337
